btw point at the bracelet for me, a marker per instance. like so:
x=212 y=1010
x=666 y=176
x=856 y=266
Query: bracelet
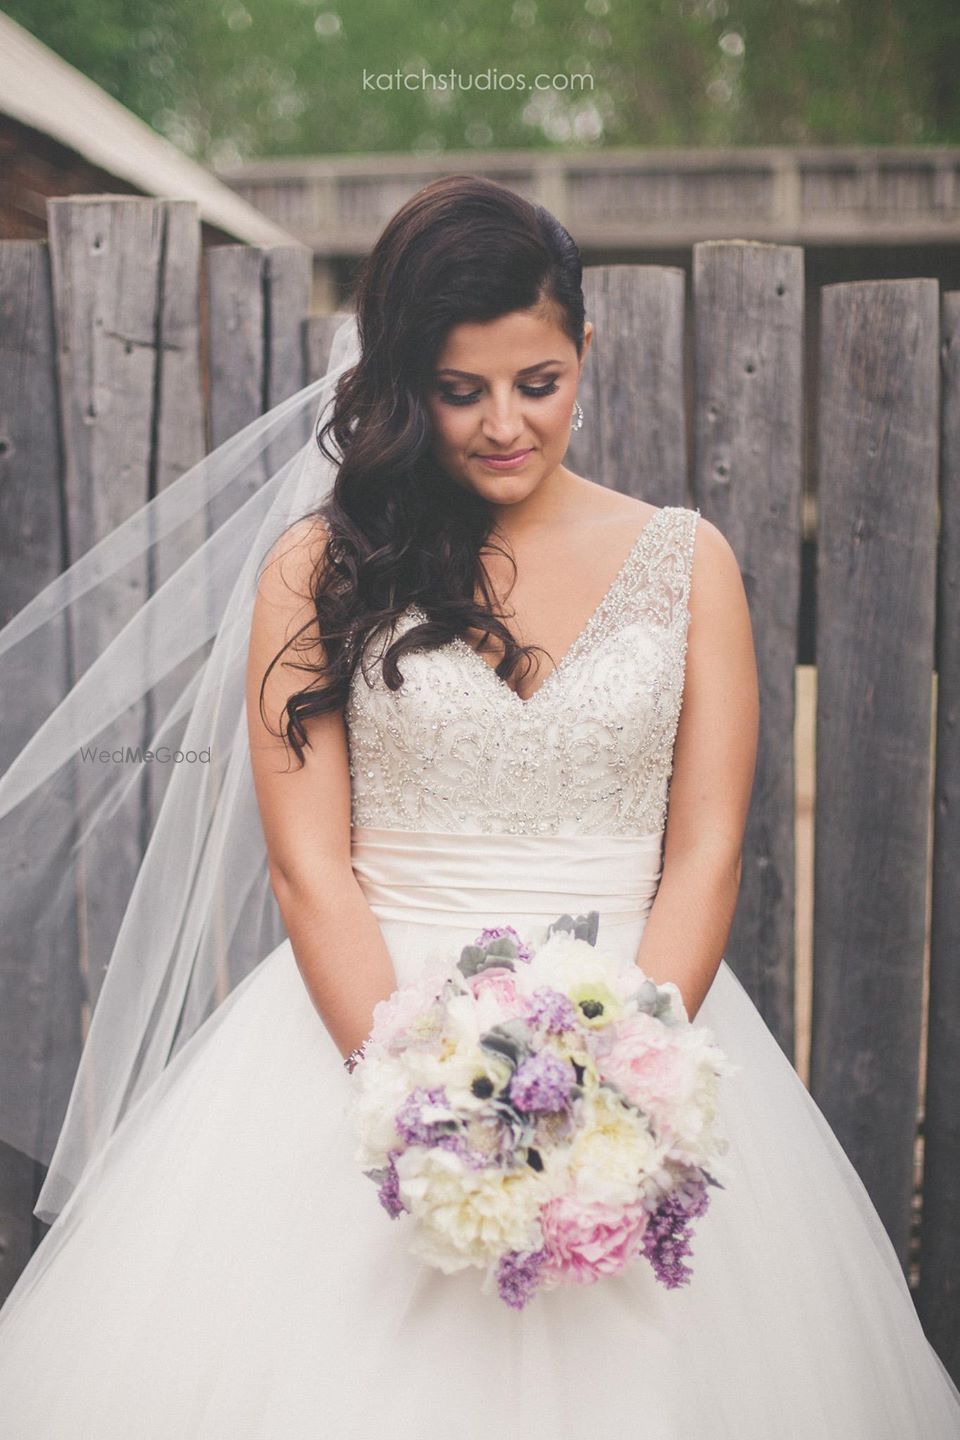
x=355 y=1056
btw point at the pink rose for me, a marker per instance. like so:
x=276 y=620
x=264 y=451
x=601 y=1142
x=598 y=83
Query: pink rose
x=646 y=1065
x=393 y=1015
x=501 y=984
x=586 y=1240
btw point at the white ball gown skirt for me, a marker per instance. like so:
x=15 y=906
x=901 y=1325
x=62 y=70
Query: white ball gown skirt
x=225 y=1271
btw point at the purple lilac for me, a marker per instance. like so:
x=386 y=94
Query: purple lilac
x=388 y=1192
x=409 y=1122
x=668 y=1233
x=551 y=1010
x=518 y=1274
x=497 y=932
x=541 y=1082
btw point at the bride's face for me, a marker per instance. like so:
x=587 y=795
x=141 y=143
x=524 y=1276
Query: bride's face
x=501 y=389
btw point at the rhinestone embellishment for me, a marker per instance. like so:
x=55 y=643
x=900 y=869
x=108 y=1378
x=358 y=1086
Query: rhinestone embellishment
x=589 y=751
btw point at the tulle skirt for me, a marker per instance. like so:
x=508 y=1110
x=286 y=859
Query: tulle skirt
x=224 y=1271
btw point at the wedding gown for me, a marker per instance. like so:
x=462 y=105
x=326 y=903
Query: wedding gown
x=224 y=1271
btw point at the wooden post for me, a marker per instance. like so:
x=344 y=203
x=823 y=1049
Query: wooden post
x=634 y=435
x=178 y=443
x=107 y=258
x=257 y=303
x=876 y=588
x=938 y=1294
x=748 y=479
x=320 y=331
x=40 y=987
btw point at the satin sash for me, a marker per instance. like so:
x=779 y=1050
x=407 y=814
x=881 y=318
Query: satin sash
x=440 y=877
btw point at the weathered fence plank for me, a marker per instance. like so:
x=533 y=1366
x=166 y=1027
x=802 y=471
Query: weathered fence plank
x=876 y=587
x=40 y=992
x=287 y=282
x=634 y=435
x=748 y=479
x=287 y=291
x=256 y=310
x=178 y=441
x=106 y=259
x=320 y=330
x=938 y=1295
x=236 y=358
x=256 y=307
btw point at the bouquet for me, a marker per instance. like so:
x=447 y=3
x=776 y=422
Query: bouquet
x=545 y=1116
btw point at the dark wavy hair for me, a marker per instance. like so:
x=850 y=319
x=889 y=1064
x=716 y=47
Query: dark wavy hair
x=398 y=531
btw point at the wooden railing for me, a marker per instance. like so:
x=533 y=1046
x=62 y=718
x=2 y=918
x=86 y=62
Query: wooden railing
x=632 y=199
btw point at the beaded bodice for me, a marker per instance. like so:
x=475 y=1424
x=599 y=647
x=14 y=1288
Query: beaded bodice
x=590 y=750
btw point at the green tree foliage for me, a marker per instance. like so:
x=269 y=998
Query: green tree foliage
x=235 y=79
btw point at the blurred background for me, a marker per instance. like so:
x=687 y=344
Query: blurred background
x=234 y=80
x=644 y=124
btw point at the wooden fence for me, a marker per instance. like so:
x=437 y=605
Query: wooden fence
x=146 y=352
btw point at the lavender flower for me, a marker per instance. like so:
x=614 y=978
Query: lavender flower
x=388 y=1192
x=499 y=932
x=668 y=1233
x=541 y=1082
x=550 y=1009
x=517 y=1275
x=410 y=1124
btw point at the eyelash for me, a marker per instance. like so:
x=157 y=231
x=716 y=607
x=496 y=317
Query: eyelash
x=536 y=392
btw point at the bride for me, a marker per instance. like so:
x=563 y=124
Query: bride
x=475 y=688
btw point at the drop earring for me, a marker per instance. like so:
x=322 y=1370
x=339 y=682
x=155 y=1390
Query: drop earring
x=578 y=412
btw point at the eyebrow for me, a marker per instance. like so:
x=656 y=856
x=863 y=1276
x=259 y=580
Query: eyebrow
x=527 y=370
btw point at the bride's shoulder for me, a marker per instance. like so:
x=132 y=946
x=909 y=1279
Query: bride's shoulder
x=714 y=571
x=612 y=511
x=616 y=512
x=711 y=548
x=284 y=601
x=292 y=562
x=716 y=581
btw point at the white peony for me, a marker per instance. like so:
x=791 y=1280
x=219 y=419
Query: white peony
x=564 y=961
x=467 y=1216
x=378 y=1089
x=612 y=1152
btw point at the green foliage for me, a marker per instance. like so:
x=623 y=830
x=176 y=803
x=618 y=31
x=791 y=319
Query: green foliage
x=235 y=79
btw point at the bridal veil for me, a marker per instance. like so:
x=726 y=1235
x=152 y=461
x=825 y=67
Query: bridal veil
x=150 y=735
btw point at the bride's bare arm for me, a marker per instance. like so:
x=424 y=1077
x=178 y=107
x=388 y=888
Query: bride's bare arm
x=714 y=760
x=305 y=811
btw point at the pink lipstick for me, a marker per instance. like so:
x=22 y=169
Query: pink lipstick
x=506 y=462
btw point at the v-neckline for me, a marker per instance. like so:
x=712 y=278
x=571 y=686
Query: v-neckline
x=583 y=635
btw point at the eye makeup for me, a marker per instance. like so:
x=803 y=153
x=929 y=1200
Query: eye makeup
x=537 y=392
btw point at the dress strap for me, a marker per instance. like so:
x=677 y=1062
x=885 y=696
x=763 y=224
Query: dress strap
x=687 y=527
x=660 y=584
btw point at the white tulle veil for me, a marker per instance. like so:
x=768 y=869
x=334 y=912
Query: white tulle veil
x=79 y=792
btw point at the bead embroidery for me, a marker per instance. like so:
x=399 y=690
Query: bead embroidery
x=589 y=751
